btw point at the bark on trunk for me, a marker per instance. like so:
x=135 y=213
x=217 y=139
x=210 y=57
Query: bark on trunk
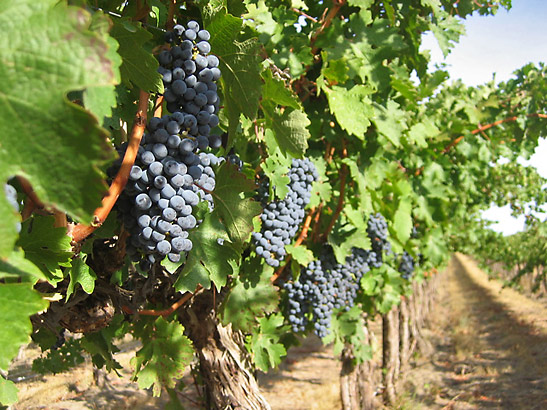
x=225 y=364
x=357 y=382
x=404 y=335
x=349 y=380
x=368 y=381
x=416 y=322
x=390 y=360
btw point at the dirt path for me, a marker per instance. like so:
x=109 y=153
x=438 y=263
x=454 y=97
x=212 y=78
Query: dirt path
x=490 y=348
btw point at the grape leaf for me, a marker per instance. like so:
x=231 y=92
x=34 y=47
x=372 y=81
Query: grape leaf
x=321 y=192
x=390 y=121
x=80 y=273
x=100 y=99
x=164 y=355
x=240 y=66
x=47 y=247
x=301 y=254
x=139 y=65
x=277 y=92
x=402 y=220
x=264 y=342
x=53 y=143
x=347 y=328
x=421 y=131
x=16 y=266
x=289 y=127
x=346 y=238
x=247 y=301
x=447 y=31
x=8 y=392
x=275 y=167
x=208 y=260
x=236 y=213
x=18 y=301
x=352 y=108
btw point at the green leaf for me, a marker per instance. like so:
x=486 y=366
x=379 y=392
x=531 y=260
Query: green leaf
x=68 y=356
x=236 y=213
x=47 y=247
x=100 y=344
x=100 y=99
x=248 y=301
x=352 y=108
x=58 y=54
x=276 y=91
x=17 y=267
x=80 y=273
x=402 y=220
x=290 y=129
x=346 y=238
x=346 y=328
x=139 y=66
x=8 y=392
x=363 y=183
x=390 y=121
x=275 y=167
x=421 y=131
x=335 y=70
x=447 y=30
x=208 y=260
x=18 y=301
x=164 y=355
x=301 y=254
x=264 y=342
x=239 y=63
x=321 y=191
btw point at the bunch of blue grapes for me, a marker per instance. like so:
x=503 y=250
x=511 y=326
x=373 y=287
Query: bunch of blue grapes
x=189 y=76
x=325 y=285
x=281 y=218
x=406 y=266
x=173 y=173
x=11 y=195
x=378 y=233
x=169 y=178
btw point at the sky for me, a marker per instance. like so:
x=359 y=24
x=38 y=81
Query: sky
x=499 y=44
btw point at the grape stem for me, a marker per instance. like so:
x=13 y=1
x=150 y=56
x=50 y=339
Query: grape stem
x=164 y=312
x=481 y=130
x=304 y=14
x=325 y=23
x=158 y=108
x=33 y=203
x=170 y=15
x=82 y=231
x=340 y=205
x=488 y=126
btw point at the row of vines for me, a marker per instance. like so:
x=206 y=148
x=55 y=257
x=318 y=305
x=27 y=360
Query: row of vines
x=219 y=178
x=519 y=260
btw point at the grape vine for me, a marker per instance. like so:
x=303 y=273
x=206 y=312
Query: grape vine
x=370 y=168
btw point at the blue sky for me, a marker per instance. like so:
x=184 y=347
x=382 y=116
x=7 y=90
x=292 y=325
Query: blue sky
x=500 y=44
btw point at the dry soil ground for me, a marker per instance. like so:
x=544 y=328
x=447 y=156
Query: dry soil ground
x=489 y=350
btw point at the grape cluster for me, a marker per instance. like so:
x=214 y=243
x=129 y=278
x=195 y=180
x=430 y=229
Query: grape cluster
x=406 y=266
x=377 y=232
x=11 y=195
x=172 y=172
x=325 y=285
x=189 y=74
x=281 y=218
